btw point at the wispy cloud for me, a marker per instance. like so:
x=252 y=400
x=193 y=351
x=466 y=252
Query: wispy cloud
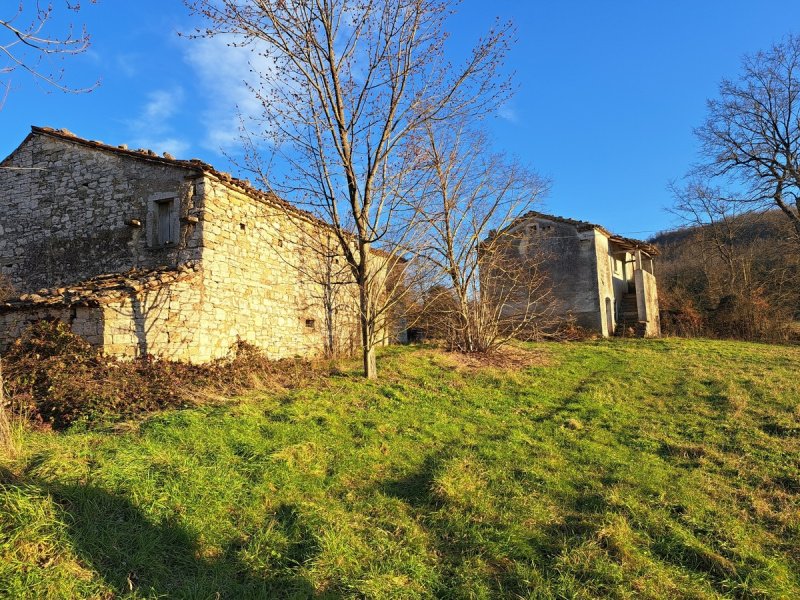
x=221 y=69
x=508 y=113
x=127 y=64
x=153 y=129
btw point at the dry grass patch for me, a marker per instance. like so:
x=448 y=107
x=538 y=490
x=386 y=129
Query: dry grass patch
x=505 y=358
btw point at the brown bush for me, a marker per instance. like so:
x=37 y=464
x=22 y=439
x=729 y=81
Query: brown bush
x=680 y=315
x=750 y=316
x=6 y=289
x=57 y=379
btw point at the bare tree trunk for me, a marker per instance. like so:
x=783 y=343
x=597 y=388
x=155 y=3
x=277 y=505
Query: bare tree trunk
x=367 y=333
x=330 y=331
x=366 y=78
x=370 y=365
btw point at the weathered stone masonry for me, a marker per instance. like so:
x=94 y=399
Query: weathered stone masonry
x=151 y=255
x=605 y=282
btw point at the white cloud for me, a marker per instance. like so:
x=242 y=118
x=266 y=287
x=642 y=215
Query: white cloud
x=161 y=106
x=509 y=113
x=127 y=64
x=177 y=147
x=221 y=70
x=152 y=128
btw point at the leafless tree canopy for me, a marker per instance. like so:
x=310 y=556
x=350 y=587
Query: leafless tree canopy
x=481 y=290
x=345 y=86
x=716 y=218
x=752 y=133
x=28 y=45
x=730 y=272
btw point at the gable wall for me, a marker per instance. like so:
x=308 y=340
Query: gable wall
x=63 y=216
x=571 y=265
x=68 y=222
x=260 y=280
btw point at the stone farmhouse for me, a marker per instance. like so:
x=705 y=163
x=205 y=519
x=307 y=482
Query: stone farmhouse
x=149 y=255
x=603 y=281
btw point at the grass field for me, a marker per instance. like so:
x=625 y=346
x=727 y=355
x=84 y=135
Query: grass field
x=624 y=469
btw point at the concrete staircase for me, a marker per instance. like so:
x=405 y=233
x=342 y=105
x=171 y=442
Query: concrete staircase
x=628 y=324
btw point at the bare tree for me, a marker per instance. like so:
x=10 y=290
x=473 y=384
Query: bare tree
x=716 y=219
x=351 y=82
x=317 y=258
x=734 y=264
x=752 y=133
x=485 y=289
x=27 y=45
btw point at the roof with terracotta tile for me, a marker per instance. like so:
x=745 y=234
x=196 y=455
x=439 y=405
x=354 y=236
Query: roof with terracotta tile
x=102 y=289
x=195 y=164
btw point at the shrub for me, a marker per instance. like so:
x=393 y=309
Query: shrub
x=57 y=378
x=6 y=289
x=680 y=314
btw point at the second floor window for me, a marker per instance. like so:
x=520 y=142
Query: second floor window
x=166 y=233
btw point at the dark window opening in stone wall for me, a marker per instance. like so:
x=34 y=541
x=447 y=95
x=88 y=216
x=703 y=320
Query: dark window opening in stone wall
x=165 y=228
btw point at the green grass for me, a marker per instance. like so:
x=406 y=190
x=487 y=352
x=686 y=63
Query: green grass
x=624 y=469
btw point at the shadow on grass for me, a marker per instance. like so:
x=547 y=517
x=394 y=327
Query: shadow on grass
x=134 y=555
x=458 y=541
x=415 y=488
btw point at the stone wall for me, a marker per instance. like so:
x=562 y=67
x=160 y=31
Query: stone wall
x=571 y=266
x=83 y=320
x=66 y=209
x=262 y=278
x=71 y=210
x=647 y=302
x=162 y=322
x=128 y=315
x=605 y=285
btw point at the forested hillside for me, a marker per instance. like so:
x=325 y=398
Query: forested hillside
x=736 y=277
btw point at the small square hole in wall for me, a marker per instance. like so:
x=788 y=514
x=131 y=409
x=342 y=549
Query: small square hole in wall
x=310 y=323
x=280 y=243
x=243 y=226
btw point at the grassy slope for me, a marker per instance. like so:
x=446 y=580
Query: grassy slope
x=626 y=469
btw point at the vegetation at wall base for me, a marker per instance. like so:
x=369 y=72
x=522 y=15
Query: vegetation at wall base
x=606 y=469
x=57 y=379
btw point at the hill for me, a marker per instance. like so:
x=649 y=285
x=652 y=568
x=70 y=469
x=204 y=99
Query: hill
x=739 y=278
x=633 y=468
x=770 y=226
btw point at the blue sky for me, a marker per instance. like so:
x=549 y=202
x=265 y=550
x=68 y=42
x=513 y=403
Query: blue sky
x=607 y=92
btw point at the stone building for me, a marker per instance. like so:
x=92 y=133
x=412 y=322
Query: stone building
x=604 y=281
x=149 y=255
